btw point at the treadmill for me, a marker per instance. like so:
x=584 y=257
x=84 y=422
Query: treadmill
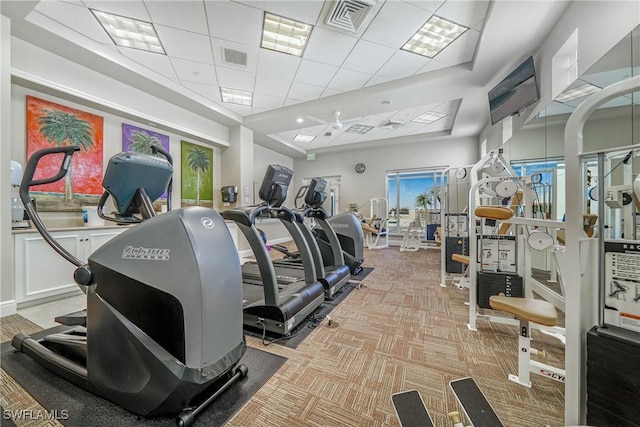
x=330 y=265
x=267 y=304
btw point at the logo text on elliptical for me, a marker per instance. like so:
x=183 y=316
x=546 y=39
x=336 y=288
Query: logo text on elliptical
x=156 y=254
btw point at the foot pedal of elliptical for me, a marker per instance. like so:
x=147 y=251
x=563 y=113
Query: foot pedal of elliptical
x=79 y=318
x=474 y=403
x=410 y=409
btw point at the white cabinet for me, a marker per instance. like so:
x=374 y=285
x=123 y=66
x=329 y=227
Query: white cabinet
x=40 y=272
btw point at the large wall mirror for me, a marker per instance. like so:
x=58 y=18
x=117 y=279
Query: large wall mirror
x=539 y=145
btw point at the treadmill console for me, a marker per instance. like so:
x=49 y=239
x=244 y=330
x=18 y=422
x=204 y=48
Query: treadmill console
x=315 y=193
x=275 y=185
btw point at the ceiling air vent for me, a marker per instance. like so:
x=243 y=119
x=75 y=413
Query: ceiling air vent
x=348 y=14
x=234 y=56
x=391 y=125
x=328 y=134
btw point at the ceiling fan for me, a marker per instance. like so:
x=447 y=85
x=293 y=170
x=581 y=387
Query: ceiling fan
x=333 y=126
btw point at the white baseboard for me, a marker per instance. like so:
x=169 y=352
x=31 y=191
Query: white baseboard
x=248 y=252
x=7 y=308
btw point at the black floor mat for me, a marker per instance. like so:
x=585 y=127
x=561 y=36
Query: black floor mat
x=304 y=329
x=74 y=406
x=362 y=274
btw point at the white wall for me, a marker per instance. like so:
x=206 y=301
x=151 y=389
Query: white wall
x=42 y=67
x=262 y=158
x=7 y=293
x=47 y=76
x=600 y=24
x=360 y=188
x=112 y=140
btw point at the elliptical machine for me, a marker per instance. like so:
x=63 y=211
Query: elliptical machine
x=163 y=333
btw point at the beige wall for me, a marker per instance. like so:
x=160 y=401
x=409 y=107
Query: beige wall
x=360 y=188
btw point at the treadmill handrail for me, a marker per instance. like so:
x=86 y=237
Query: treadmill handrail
x=247 y=215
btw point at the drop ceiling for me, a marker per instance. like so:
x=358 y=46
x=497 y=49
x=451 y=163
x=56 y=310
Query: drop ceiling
x=360 y=72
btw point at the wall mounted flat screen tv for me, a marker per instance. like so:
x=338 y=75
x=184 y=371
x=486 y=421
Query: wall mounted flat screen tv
x=514 y=93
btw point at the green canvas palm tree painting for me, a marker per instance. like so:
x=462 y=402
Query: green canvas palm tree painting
x=197 y=175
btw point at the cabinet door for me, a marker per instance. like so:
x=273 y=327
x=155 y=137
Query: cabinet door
x=96 y=238
x=39 y=270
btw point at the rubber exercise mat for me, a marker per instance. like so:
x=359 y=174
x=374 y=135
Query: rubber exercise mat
x=362 y=274
x=76 y=407
x=308 y=325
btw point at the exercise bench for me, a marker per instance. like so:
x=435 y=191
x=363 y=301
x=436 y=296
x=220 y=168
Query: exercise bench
x=529 y=310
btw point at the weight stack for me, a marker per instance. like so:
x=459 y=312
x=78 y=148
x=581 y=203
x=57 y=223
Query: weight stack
x=455 y=245
x=496 y=283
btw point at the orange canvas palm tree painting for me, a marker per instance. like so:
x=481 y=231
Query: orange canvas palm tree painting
x=49 y=125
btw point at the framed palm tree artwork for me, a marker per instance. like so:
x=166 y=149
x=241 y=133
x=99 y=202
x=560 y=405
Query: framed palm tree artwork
x=142 y=140
x=197 y=175
x=50 y=124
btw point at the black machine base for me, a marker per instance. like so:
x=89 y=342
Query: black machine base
x=411 y=410
x=474 y=403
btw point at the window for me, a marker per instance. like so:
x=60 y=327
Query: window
x=414 y=195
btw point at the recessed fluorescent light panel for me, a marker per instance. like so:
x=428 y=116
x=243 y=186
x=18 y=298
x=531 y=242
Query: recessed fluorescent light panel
x=129 y=32
x=361 y=129
x=284 y=35
x=434 y=36
x=304 y=138
x=234 y=96
x=429 y=117
x=578 y=92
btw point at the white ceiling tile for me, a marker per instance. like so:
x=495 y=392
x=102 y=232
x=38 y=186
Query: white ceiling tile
x=291 y=101
x=304 y=92
x=130 y=8
x=76 y=2
x=329 y=92
x=234 y=79
x=208 y=91
x=433 y=65
x=257 y=4
x=270 y=85
x=395 y=24
x=186 y=15
x=375 y=80
x=153 y=61
x=464 y=12
x=218 y=55
x=185 y=45
x=329 y=47
x=368 y=57
x=345 y=80
x=478 y=26
x=196 y=72
x=315 y=73
x=234 y=22
x=78 y=18
x=267 y=101
x=461 y=50
x=431 y=6
x=306 y=11
x=277 y=64
x=403 y=64
x=243 y=110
